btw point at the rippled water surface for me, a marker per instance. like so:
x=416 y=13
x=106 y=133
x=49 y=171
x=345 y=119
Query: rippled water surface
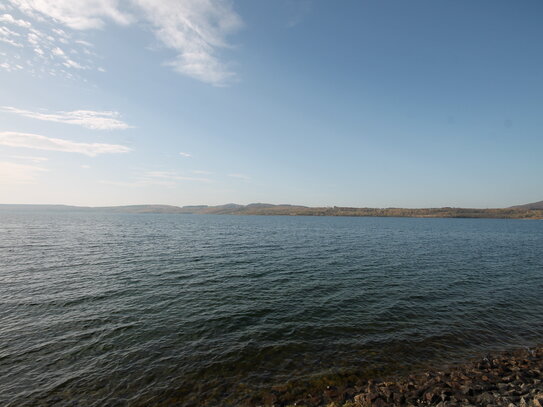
x=111 y=309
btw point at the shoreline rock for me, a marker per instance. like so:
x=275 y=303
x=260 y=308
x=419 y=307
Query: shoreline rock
x=508 y=379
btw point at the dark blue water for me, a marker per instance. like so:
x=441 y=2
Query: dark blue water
x=104 y=309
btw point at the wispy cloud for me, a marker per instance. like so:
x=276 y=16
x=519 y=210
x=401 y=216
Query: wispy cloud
x=129 y=184
x=201 y=172
x=30 y=158
x=104 y=120
x=156 y=178
x=66 y=60
x=297 y=11
x=240 y=176
x=46 y=45
x=10 y=67
x=38 y=142
x=187 y=155
x=194 y=29
x=10 y=37
x=14 y=173
x=9 y=19
x=79 y=15
x=174 y=176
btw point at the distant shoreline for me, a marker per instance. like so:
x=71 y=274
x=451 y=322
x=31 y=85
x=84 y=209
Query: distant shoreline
x=519 y=212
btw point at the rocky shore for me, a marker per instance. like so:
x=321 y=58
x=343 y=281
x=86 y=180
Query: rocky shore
x=511 y=379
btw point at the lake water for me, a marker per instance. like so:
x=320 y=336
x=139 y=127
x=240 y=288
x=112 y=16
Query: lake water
x=117 y=309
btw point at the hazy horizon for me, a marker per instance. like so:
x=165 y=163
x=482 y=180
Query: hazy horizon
x=418 y=104
x=243 y=204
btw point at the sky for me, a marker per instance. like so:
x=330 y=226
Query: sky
x=366 y=103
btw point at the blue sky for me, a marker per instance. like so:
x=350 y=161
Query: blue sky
x=356 y=103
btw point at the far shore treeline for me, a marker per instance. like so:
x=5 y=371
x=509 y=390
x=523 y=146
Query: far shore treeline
x=528 y=211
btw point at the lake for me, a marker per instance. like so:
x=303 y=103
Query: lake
x=104 y=309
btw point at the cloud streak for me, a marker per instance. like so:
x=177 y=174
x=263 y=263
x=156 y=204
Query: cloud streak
x=195 y=30
x=30 y=158
x=38 y=142
x=239 y=176
x=96 y=120
x=172 y=176
x=79 y=15
x=157 y=178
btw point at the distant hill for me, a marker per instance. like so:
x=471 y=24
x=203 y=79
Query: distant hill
x=530 y=211
x=530 y=206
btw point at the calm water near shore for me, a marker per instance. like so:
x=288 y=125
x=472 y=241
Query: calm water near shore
x=117 y=309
